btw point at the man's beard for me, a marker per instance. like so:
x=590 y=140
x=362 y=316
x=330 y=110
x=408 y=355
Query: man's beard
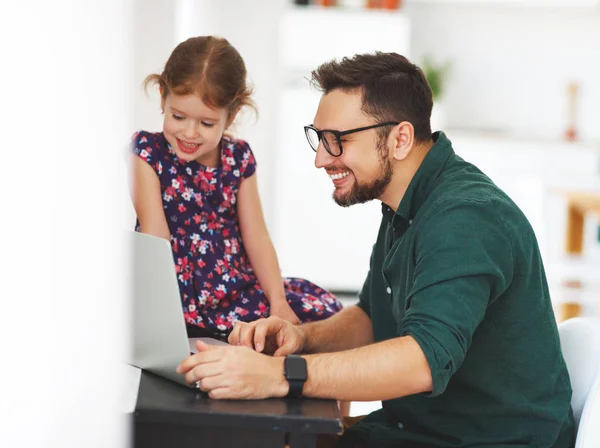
x=361 y=193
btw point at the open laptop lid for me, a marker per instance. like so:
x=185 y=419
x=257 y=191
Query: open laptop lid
x=159 y=333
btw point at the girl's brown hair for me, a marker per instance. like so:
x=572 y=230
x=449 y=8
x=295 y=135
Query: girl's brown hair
x=209 y=67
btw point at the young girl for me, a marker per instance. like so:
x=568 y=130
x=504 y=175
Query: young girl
x=196 y=187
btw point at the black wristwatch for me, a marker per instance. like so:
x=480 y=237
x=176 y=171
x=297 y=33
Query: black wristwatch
x=295 y=373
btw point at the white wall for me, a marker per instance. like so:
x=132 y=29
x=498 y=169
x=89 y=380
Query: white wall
x=512 y=64
x=153 y=30
x=65 y=108
x=153 y=41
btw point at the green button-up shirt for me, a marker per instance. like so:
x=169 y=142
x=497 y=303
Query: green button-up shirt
x=458 y=268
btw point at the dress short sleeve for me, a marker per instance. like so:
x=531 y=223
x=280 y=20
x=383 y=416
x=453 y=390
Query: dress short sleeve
x=247 y=160
x=145 y=145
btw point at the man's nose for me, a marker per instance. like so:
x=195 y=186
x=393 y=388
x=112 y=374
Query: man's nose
x=322 y=157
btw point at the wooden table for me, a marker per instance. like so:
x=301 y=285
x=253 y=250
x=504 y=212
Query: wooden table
x=169 y=415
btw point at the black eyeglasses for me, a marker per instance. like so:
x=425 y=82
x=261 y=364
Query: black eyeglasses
x=332 y=140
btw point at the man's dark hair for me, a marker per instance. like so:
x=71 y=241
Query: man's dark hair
x=393 y=88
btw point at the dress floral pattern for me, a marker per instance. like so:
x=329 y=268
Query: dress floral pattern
x=216 y=281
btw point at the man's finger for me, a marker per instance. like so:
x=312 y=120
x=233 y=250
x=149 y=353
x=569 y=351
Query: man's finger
x=203 y=371
x=208 y=376
x=234 y=336
x=247 y=335
x=206 y=384
x=204 y=347
x=199 y=358
x=220 y=393
x=261 y=331
x=286 y=347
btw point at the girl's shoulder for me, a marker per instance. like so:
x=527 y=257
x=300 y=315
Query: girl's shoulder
x=237 y=156
x=237 y=148
x=235 y=144
x=144 y=139
x=150 y=146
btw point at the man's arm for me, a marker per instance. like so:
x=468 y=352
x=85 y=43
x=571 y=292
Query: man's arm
x=388 y=369
x=382 y=371
x=348 y=329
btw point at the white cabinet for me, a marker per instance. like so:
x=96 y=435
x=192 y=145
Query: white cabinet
x=314 y=237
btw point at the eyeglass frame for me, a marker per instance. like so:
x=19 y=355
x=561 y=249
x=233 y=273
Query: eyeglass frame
x=339 y=134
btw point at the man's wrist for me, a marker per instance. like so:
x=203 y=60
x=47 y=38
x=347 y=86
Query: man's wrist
x=304 y=346
x=281 y=385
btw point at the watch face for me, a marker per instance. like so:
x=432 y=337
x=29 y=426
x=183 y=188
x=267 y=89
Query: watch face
x=295 y=368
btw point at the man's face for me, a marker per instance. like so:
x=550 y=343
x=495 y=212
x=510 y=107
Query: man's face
x=364 y=169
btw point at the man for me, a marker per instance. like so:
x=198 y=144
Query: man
x=454 y=330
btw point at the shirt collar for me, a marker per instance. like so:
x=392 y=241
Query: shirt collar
x=423 y=181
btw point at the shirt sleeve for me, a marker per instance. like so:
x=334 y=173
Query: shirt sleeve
x=463 y=263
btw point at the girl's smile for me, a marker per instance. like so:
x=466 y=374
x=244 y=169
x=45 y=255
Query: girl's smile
x=187 y=147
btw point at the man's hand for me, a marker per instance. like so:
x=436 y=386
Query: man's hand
x=272 y=335
x=234 y=373
x=282 y=309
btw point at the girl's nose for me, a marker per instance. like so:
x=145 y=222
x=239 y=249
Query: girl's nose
x=191 y=131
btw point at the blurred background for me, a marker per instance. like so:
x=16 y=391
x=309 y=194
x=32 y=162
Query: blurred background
x=515 y=87
x=517 y=91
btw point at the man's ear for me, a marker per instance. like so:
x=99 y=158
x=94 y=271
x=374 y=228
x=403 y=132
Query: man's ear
x=402 y=139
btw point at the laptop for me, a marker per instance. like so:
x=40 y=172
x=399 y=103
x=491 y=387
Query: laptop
x=160 y=340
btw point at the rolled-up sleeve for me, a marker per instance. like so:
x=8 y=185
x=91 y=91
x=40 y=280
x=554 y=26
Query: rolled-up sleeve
x=463 y=263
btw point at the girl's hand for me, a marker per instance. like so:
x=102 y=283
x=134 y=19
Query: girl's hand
x=282 y=309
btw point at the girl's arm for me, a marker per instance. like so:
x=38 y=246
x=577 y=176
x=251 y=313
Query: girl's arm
x=147 y=200
x=260 y=249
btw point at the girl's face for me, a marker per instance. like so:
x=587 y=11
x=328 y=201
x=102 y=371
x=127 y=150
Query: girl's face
x=193 y=129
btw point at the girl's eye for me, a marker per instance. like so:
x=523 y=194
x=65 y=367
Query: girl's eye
x=178 y=117
x=208 y=125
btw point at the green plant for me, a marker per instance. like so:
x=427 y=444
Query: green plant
x=436 y=75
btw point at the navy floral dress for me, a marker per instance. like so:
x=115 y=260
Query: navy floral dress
x=216 y=281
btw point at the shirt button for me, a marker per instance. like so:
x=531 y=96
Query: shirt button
x=389 y=290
